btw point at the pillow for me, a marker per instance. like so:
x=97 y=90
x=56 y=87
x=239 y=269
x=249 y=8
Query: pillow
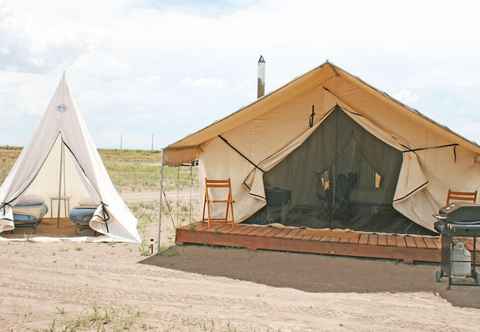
x=88 y=203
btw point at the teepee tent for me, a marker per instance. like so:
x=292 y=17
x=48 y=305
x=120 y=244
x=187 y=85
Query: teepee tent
x=62 y=142
x=329 y=150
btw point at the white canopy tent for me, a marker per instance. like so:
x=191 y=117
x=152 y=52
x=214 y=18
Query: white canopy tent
x=62 y=145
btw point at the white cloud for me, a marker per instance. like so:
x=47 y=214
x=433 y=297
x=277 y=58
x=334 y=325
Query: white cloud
x=137 y=67
x=406 y=96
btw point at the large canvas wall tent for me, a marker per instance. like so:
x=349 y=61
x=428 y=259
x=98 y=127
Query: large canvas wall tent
x=62 y=161
x=327 y=150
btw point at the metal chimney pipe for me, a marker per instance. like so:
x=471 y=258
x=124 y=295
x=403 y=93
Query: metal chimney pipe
x=261 y=77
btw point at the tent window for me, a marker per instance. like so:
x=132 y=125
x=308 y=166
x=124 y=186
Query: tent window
x=325 y=180
x=378 y=181
x=370 y=179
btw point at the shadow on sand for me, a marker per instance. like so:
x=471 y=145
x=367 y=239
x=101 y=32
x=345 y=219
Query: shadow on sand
x=313 y=273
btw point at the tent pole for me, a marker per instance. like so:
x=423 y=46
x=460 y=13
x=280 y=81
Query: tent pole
x=161 y=203
x=190 y=195
x=177 y=209
x=60 y=184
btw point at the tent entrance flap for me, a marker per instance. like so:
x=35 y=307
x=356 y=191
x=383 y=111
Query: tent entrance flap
x=340 y=177
x=60 y=176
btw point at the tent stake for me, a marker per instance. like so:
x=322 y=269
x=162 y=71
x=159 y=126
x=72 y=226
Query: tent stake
x=161 y=204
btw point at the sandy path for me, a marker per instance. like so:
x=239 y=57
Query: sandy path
x=43 y=282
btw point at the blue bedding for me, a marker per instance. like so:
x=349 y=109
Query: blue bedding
x=23 y=220
x=28 y=214
x=81 y=216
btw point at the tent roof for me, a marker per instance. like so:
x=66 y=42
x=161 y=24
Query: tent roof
x=188 y=147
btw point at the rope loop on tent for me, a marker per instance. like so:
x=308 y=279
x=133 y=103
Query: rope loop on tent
x=105 y=215
x=3 y=206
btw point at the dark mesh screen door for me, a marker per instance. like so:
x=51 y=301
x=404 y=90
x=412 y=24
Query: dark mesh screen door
x=341 y=177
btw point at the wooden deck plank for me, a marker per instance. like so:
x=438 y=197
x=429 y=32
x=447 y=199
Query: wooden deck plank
x=279 y=232
x=382 y=240
x=226 y=228
x=372 y=239
x=419 y=242
x=294 y=233
x=410 y=242
x=201 y=226
x=262 y=231
x=355 y=238
x=400 y=239
x=430 y=243
x=286 y=231
x=245 y=230
x=363 y=238
x=345 y=237
x=391 y=241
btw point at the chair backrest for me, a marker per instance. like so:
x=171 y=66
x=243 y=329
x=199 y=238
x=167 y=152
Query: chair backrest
x=217 y=183
x=461 y=196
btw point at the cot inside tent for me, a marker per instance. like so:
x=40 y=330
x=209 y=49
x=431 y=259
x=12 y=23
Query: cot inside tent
x=62 y=161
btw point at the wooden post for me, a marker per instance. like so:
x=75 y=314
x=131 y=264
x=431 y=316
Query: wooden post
x=261 y=77
x=161 y=203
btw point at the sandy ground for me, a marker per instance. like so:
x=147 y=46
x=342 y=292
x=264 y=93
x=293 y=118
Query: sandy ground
x=51 y=286
x=154 y=196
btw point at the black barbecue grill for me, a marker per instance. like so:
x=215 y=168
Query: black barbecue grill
x=457 y=223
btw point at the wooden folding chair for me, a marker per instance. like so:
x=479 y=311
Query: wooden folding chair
x=218 y=184
x=461 y=196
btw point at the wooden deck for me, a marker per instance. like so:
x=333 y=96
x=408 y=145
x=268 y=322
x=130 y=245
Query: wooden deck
x=48 y=227
x=408 y=248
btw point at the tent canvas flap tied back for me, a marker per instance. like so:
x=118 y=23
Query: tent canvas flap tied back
x=63 y=135
x=364 y=161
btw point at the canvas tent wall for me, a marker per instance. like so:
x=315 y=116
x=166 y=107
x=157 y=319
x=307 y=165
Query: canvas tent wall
x=249 y=143
x=63 y=135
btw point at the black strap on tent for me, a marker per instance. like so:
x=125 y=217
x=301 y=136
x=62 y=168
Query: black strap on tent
x=3 y=206
x=312 y=117
x=80 y=165
x=240 y=153
x=105 y=215
x=36 y=174
x=411 y=192
x=454 y=145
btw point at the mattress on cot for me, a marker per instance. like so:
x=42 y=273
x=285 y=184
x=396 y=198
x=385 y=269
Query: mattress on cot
x=29 y=211
x=81 y=215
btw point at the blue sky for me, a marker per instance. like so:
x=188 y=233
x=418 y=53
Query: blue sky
x=172 y=67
